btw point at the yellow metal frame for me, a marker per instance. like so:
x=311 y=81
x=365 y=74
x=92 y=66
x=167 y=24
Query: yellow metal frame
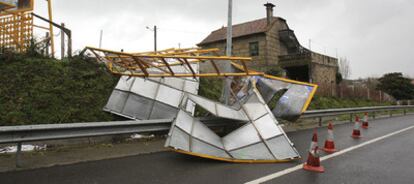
x=137 y=64
x=23 y=10
x=16 y=31
x=16 y=27
x=234 y=160
x=6 y=5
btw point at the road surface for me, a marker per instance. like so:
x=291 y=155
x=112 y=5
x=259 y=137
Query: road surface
x=386 y=160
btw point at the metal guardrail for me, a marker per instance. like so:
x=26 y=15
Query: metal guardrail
x=352 y=111
x=32 y=133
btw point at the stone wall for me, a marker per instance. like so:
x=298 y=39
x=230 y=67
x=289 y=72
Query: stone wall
x=325 y=77
x=274 y=47
x=323 y=69
x=241 y=48
x=270 y=47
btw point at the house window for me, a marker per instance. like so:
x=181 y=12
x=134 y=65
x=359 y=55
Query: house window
x=254 y=48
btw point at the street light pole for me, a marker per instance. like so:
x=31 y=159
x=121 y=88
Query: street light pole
x=229 y=28
x=228 y=68
x=100 y=39
x=155 y=38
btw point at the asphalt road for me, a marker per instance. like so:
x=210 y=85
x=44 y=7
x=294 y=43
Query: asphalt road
x=387 y=161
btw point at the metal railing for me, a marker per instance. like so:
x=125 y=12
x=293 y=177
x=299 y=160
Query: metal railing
x=34 y=133
x=352 y=111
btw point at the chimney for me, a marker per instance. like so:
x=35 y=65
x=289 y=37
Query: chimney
x=269 y=12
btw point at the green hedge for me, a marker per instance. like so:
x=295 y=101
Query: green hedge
x=334 y=102
x=37 y=90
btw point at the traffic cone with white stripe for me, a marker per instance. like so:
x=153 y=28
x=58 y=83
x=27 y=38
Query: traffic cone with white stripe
x=313 y=163
x=329 y=143
x=356 y=133
x=365 y=124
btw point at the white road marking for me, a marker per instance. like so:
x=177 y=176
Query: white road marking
x=298 y=167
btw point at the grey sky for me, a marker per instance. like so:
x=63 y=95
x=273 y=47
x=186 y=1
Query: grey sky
x=375 y=35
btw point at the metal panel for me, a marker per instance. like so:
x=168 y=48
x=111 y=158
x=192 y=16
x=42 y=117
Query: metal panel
x=117 y=101
x=174 y=82
x=206 y=149
x=204 y=133
x=145 y=88
x=256 y=152
x=125 y=83
x=243 y=136
x=137 y=107
x=163 y=111
x=179 y=139
x=290 y=105
x=228 y=112
x=191 y=87
x=254 y=108
x=281 y=148
x=218 y=109
x=169 y=91
x=184 y=121
x=169 y=96
x=267 y=127
x=208 y=105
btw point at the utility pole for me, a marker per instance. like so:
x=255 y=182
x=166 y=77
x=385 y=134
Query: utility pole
x=155 y=38
x=228 y=68
x=62 y=42
x=229 y=28
x=100 y=39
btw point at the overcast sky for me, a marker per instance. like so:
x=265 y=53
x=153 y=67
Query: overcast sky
x=375 y=35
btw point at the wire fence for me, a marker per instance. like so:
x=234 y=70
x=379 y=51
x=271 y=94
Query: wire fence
x=353 y=91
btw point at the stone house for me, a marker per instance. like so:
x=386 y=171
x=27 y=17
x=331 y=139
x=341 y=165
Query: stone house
x=271 y=43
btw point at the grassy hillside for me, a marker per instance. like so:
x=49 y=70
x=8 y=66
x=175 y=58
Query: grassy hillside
x=333 y=102
x=37 y=90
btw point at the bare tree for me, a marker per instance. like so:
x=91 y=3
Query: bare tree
x=344 y=68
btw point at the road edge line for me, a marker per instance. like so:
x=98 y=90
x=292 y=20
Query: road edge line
x=298 y=167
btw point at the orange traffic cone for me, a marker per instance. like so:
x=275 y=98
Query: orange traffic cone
x=313 y=163
x=365 y=124
x=356 y=133
x=329 y=143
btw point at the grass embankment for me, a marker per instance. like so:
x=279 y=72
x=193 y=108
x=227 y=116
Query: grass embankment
x=38 y=90
x=319 y=102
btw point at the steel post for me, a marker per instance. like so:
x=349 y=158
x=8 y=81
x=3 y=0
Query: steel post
x=18 y=155
x=320 y=121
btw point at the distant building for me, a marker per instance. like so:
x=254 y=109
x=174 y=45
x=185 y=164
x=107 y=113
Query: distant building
x=271 y=43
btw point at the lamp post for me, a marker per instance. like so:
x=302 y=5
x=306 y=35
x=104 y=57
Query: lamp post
x=228 y=68
x=155 y=37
